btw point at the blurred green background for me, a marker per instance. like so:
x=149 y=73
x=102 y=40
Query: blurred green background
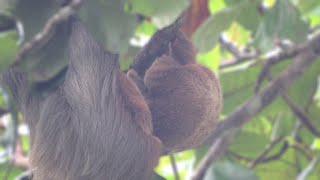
x=255 y=28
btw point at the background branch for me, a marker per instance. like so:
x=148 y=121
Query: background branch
x=239 y=55
x=301 y=115
x=174 y=166
x=265 y=152
x=304 y=58
x=273 y=58
x=213 y=153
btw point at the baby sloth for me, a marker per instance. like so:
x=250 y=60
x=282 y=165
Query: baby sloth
x=183 y=96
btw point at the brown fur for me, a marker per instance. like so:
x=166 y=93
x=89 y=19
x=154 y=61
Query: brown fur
x=96 y=126
x=184 y=97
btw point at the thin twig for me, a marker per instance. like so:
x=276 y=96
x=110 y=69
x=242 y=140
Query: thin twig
x=244 y=57
x=258 y=102
x=265 y=152
x=239 y=55
x=51 y=23
x=306 y=172
x=230 y=46
x=279 y=55
x=308 y=154
x=301 y=115
x=272 y=157
x=276 y=155
x=303 y=59
x=174 y=166
x=214 y=152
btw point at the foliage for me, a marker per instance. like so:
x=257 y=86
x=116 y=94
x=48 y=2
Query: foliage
x=251 y=25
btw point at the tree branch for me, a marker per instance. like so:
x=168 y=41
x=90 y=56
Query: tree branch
x=232 y=124
x=272 y=58
x=301 y=115
x=303 y=59
x=265 y=152
x=307 y=171
x=239 y=55
x=214 y=152
x=174 y=166
x=272 y=157
x=51 y=23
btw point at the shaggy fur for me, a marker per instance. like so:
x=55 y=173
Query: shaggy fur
x=183 y=96
x=95 y=126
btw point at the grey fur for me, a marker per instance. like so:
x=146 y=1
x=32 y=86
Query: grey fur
x=95 y=126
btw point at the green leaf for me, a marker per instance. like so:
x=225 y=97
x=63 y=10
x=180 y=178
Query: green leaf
x=109 y=23
x=238 y=35
x=210 y=59
x=199 y=154
x=146 y=28
x=282 y=168
x=252 y=149
x=207 y=35
x=13 y=173
x=316 y=144
x=237 y=85
x=163 y=12
x=249 y=16
x=216 y=5
x=306 y=6
x=8 y=49
x=282 y=21
x=231 y=2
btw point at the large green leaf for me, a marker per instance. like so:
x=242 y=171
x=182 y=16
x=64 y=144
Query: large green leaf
x=216 y=5
x=249 y=15
x=237 y=86
x=249 y=144
x=207 y=35
x=162 y=12
x=282 y=21
x=299 y=92
x=284 y=167
x=109 y=23
x=14 y=172
x=8 y=49
x=306 y=6
x=210 y=59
